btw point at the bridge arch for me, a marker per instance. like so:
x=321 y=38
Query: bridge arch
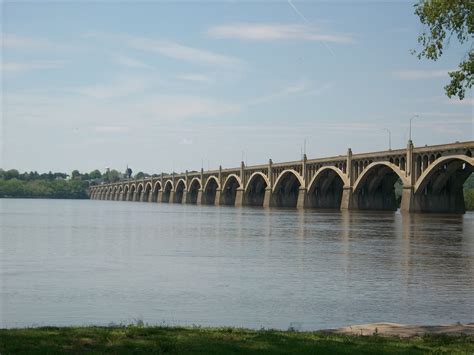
x=167 y=191
x=229 y=189
x=326 y=188
x=440 y=187
x=286 y=190
x=210 y=190
x=147 y=192
x=375 y=187
x=114 y=193
x=119 y=196
x=126 y=192
x=255 y=189
x=193 y=190
x=132 y=192
x=179 y=191
x=156 y=189
x=139 y=192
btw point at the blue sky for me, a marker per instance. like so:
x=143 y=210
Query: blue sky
x=166 y=86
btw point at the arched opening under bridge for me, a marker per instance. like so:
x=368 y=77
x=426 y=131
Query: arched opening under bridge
x=229 y=191
x=286 y=191
x=375 y=189
x=255 y=191
x=440 y=188
x=209 y=194
x=178 y=193
x=193 y=191
x=326 y=190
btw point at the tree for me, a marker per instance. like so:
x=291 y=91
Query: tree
x=140 y=175
x=112 y=176
x=95 y=174
x=443 y=19
x=75 y=175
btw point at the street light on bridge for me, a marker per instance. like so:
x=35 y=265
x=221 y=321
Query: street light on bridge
x=411 y=119
x=389 y=138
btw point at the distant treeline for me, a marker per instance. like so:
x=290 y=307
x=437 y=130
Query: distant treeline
x=55 y=185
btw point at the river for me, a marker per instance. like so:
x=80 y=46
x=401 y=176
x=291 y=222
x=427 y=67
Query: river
x=81 y=262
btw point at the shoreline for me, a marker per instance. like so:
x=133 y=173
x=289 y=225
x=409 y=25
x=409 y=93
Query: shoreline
x=389 y=338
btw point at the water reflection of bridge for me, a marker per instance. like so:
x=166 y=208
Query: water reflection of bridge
x=432 y=178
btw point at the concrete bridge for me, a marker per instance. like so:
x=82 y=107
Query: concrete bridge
x=432 y=178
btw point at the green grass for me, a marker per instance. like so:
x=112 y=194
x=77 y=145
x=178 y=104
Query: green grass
x=167 y=340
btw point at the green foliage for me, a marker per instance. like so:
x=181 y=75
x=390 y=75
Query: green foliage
x=71 y=189
x=469 y=199
x=196 y=340
x=443 y=19
x=112 y=176
x=95 y=174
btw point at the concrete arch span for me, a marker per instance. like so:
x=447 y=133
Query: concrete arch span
x=179 y=191
x=375 y=187
x=193 y=190
x=286 y=190
x=440 y=188
x=255 y=189
x=210 y=191
x=326 y=188
x=229 y=190
x=167 y=191
x=138 y=193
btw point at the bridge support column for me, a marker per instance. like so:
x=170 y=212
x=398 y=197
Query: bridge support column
x=408 y=199
x=159 y=197
x=199 y=197
x=268 y=199
x=185 y=196
x=172 y=193
x=302 y=201
x=239 y=198
x=142 y=196
x=217 y=199
x=151 y=196
x=346 y=200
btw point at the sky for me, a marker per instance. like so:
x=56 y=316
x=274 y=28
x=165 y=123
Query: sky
x=170 y=86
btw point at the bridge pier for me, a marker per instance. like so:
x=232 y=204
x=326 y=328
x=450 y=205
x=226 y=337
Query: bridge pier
x=199 y=197
x=346 y=201
x=268 y=199
x=302 y=200
x=185 y=197
x=239 y=197
x=406 y=205
x=172 y=193
x=159 y=197
x=217 y=199
x=151 y=197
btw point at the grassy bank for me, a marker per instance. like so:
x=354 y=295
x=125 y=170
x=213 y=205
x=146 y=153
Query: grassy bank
x=166 y=340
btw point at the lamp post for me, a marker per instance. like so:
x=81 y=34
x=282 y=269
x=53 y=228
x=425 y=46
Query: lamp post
x=411 y=119
x=389 y=138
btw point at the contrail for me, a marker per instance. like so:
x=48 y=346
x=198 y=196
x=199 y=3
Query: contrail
x=309 y=23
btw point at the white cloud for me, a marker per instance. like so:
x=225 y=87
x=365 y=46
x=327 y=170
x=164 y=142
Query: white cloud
x=195 y=77
x=14 y=41
x=130 y=62
x=14 y=67
x=420 y=74
x=122 y=87
x=171 y=49
x=273 y=32
x=178 y=107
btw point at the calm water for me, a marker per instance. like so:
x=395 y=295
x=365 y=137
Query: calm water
x=99 y=262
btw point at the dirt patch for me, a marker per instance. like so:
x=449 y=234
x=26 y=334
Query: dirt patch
x=403 y=330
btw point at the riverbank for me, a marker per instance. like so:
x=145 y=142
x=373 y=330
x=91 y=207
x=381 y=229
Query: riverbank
x=175 y=340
